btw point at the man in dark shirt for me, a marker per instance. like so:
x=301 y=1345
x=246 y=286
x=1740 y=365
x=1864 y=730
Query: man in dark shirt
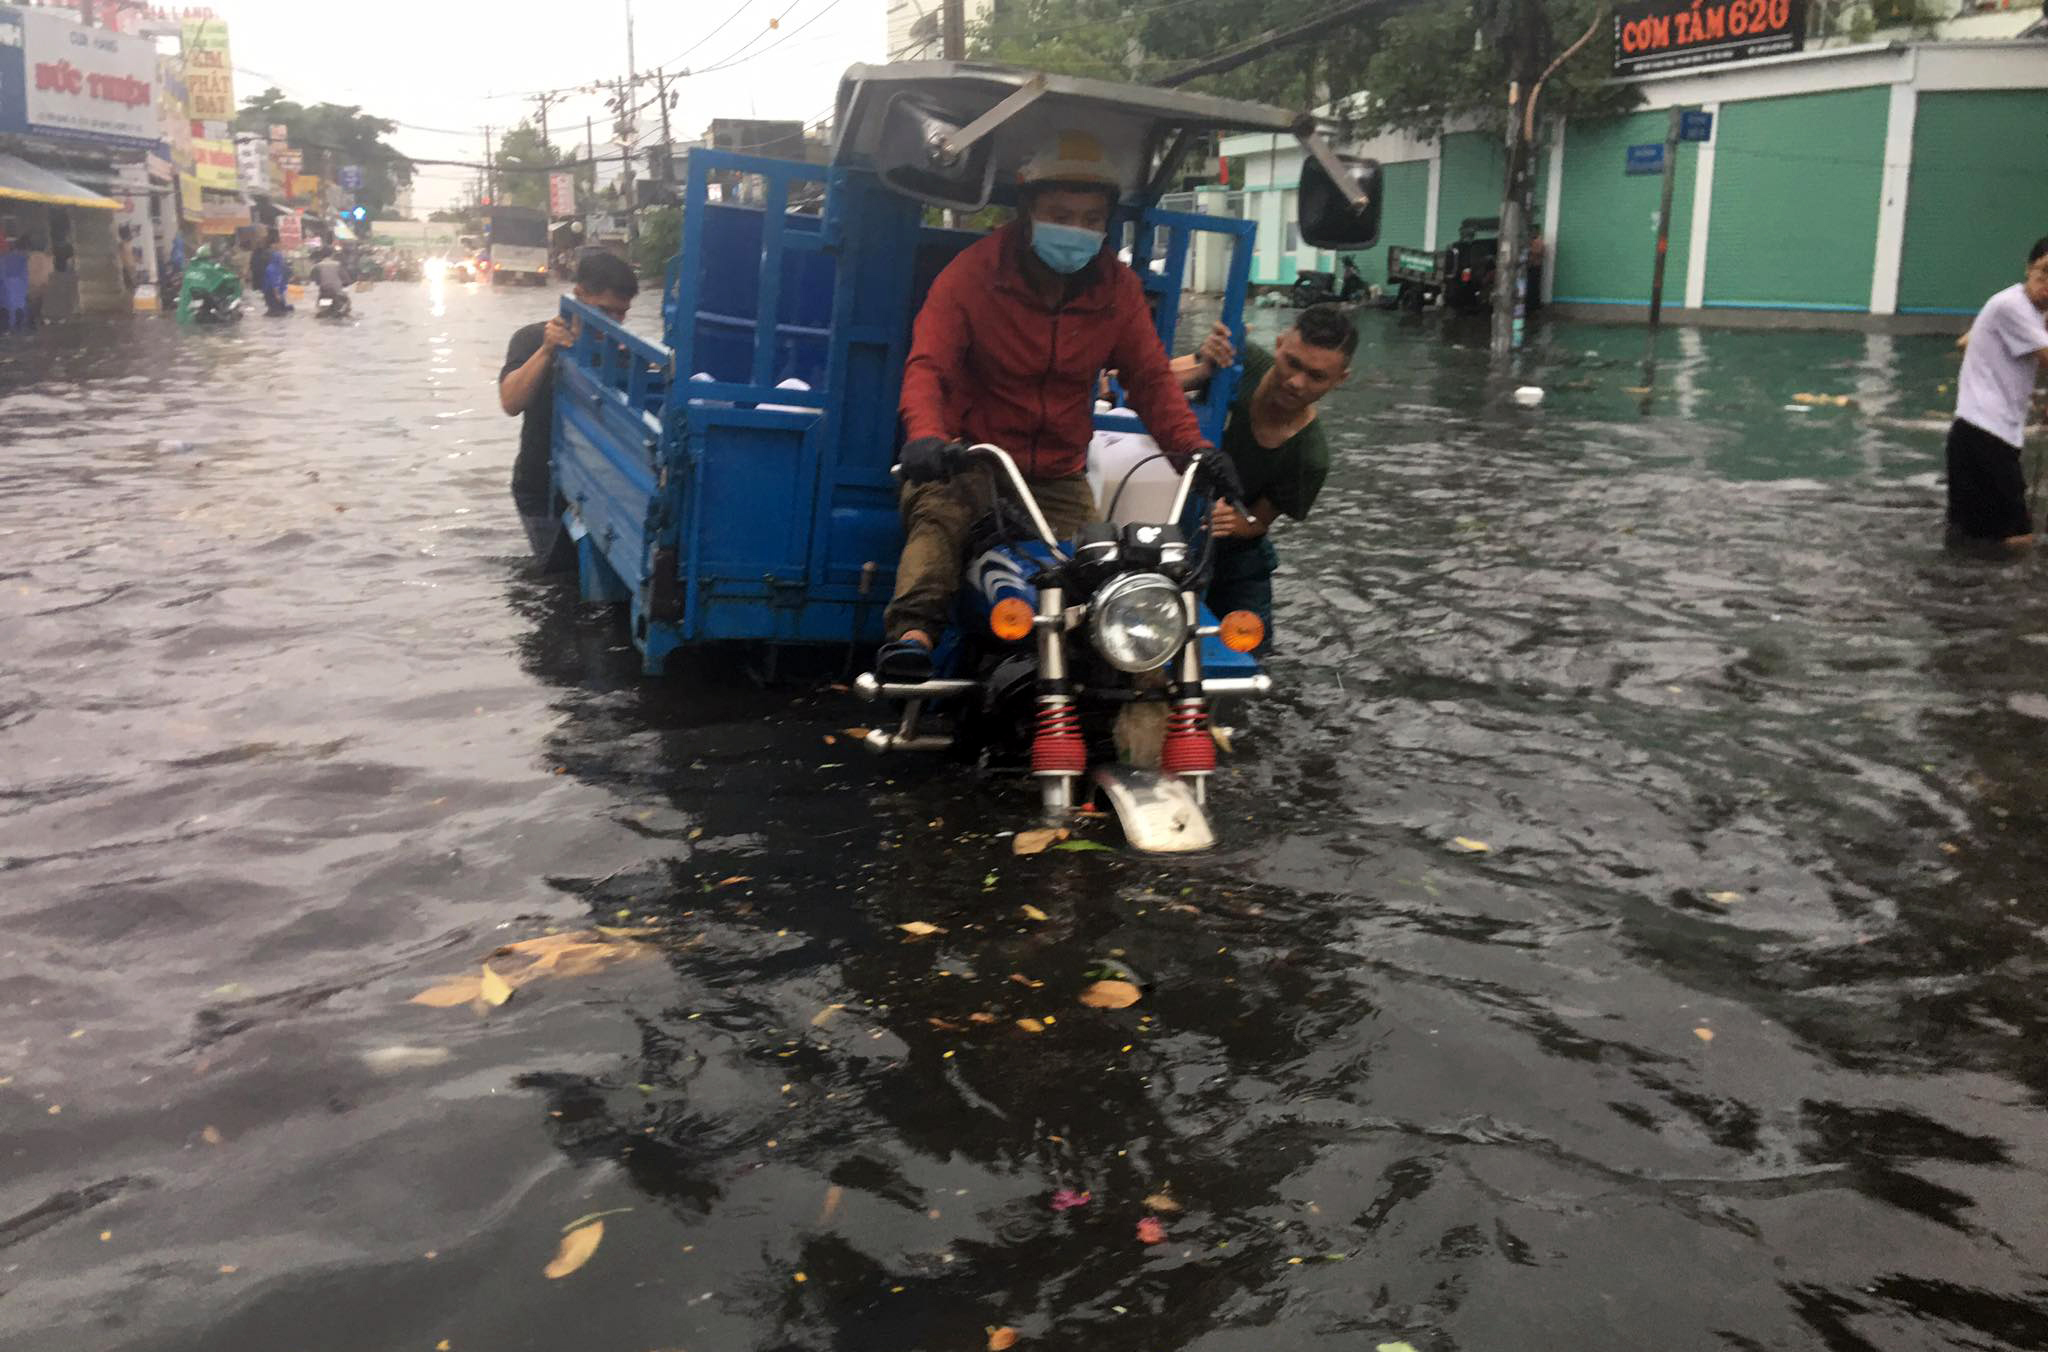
x=527 y=386
x=1275 y=439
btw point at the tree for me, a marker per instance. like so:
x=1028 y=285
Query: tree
x=523 y=161
x=332 y=135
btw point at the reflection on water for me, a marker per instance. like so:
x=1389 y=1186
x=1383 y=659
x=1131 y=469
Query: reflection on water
x=1729 y=1038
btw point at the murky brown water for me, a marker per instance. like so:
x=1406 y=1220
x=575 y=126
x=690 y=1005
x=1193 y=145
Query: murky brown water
x=1731 y=1040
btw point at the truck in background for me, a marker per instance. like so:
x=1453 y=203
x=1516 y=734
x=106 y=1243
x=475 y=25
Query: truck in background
x=516 y=244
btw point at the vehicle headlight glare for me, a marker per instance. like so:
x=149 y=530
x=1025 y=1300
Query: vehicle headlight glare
x=1140 y=622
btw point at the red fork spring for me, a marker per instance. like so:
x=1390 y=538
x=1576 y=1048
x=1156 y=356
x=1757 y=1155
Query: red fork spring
x=1056 y=747
x=1188 y=748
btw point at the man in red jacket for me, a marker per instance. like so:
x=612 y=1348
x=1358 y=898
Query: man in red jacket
x=1007 y=350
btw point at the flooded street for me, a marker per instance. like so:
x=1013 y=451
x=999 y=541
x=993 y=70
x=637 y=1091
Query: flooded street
x=1628 y=932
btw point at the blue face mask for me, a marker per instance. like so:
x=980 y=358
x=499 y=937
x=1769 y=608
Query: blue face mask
x=1066 y=249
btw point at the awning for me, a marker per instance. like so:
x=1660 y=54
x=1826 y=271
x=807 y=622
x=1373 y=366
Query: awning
x=25 y=182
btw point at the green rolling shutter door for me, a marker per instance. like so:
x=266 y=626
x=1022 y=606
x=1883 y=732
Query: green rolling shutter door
x=1977 y=197
x=1796 y=185
x=1605 y=239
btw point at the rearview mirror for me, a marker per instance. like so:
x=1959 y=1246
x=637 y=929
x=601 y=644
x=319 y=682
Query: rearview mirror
x=1328 y=220
x=911 y=158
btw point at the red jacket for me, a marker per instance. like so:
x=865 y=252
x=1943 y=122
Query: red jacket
x=989 y=362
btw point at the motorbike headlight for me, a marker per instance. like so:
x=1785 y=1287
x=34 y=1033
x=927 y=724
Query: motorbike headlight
x=1139 y=622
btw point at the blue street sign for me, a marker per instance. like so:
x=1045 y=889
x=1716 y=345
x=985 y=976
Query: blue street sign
x=1648 y=159
x=351 y=177
x=1695 y=125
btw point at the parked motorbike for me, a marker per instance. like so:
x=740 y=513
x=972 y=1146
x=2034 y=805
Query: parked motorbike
x=336 y=306
x=1094 y=661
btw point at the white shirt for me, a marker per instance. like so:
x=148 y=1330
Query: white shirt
x=1999 y=365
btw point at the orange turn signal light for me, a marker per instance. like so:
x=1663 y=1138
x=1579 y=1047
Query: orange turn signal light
x=1241 y=631
x=1012 y=618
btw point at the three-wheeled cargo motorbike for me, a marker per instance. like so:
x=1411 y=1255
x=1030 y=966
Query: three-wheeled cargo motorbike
x=734 y=482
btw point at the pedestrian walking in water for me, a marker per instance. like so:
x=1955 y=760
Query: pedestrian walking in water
x=527 y=387
x=2004 y=351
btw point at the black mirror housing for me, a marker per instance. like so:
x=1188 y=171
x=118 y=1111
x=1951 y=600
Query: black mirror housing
x=1328 y=220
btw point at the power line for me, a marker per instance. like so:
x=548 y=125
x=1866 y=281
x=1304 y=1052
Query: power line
x=732 y=57
x=740 y=60
x=677 y=60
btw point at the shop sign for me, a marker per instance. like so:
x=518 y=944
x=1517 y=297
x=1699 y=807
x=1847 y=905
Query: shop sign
x=191 y=201
x=214 y=163
x=1660 y=35
x=60 y=79
x=290 y=232
x=562 y=194
x=252 y=163
x=209 y=71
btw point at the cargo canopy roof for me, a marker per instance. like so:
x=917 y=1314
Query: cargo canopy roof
x=955 y=132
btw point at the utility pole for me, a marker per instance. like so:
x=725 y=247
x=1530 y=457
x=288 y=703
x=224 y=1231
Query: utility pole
x=490 y=171
x=544 y=100
x=954 y=30
x=1663 y=249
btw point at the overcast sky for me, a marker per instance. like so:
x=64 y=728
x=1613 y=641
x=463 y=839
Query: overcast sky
x=440 y=64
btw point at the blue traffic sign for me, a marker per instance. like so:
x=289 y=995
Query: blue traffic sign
x=1695 y=125
x=1646 y=159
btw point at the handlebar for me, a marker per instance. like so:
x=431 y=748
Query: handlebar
x=1001 y=457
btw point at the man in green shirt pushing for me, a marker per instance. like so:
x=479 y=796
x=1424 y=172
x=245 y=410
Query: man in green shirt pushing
x=1274 y=438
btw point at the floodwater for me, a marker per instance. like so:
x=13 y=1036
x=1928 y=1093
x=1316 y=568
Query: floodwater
x=1730 y=1038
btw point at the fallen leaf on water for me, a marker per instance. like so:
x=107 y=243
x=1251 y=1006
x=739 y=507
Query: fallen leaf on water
x=571 y=953
x=735 y=878
x=1703 y=1034
x=1066 y=1199
x=625 y=932
x=981 y=1016
x=919 y=928
x=1082 y=845
x=1002 y=1339
x=1221 y=736
x=1111 y=995
x=1950 y=847
x=1037 y=842
x=1395 y=1347
x=210 y=1135
x=818 y=1019
x=493 y=987
x=1725 y=898
x=1024 y=980
x=1031 y=1025
x=1032 y=912
x=833 y=1196
x=858 y=734
x=577 y=1246
x=1151 y=1230
x=1471 y=846
x=459 y=992
x=1161 y=1201
x=442 y=1346
x=830 y=740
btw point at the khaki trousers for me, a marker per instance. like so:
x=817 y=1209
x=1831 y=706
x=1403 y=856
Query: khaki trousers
x=937 y=517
